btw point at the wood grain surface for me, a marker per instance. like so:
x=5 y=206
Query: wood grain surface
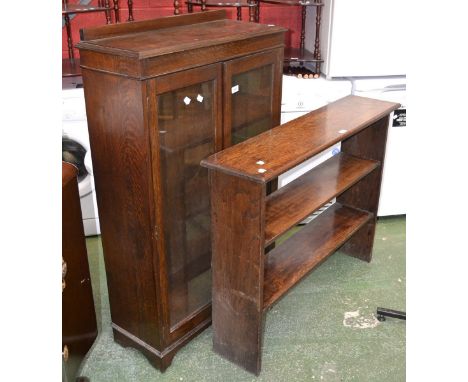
x=190 y=36
x=237 y=269
x=79 y=326
x=288 y=263
x=155 y=108
x=114 y=30
x=123 y=188
x=295 y=201
x=288 y=145
x=365 y=194
x=245 y=218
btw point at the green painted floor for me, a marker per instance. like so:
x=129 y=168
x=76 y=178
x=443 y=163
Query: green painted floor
x=324 y=329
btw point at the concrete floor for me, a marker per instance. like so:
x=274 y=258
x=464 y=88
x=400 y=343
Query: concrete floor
x=324 y=329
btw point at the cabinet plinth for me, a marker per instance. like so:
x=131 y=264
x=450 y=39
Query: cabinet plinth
x=161 y=95
x=247 y=280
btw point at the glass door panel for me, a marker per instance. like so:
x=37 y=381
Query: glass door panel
x=187 y=125
x=252 y=95
x=252 y=92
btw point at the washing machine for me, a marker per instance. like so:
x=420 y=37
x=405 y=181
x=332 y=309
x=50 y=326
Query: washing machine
x=76 y=150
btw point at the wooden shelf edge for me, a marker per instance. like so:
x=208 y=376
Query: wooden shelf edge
x=298 y=55
x=222 y=3
x=340 y=171
x=305 y=3
x=83 y=8
x=300 y=139
x=288 y=263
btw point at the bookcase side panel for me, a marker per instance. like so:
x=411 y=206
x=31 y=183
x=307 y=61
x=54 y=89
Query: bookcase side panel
x=237 y=208
x=120 y=151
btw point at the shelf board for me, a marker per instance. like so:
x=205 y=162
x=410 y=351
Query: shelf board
x=294 y=2
x=294 y=202
x=222 y=3
x=299 y=139
x=288 y=263
x=298 y=55
x=82 y=8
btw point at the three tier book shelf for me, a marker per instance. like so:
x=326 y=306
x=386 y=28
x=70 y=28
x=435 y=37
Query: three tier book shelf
x=245 y=220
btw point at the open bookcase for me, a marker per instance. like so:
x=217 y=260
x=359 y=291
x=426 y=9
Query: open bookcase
x=245 y=219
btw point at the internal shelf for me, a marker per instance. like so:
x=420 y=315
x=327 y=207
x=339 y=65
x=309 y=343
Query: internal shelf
x=223 y=3
x=288 y=263
x=298 y=55
x=68 y=9
x=295 y=2
x=295 y=201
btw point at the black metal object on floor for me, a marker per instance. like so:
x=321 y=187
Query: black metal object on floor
x=382 y=313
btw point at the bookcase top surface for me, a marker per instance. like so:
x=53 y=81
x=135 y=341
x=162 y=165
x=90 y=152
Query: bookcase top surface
x=268 y=155
x=168 y=37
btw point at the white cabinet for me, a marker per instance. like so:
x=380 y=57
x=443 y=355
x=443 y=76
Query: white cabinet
x=365 y=38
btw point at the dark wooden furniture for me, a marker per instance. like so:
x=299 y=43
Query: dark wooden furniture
x=252 y=5
x=79 y=328
x=245 y=220
x=71 y=65
x=302 y=55
x=160 y=96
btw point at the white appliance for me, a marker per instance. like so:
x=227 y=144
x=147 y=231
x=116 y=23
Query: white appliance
x=393 y=191
x=76 y=149
x=365 y=43
x=301 y=96
x=365 y=38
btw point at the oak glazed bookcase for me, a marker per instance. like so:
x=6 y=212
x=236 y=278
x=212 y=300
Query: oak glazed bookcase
x=161 y=95
x=245 y=219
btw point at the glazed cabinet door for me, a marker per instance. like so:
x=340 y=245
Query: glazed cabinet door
x=187 y=116
x=252 y=95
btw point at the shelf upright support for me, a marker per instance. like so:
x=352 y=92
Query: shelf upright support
x=318 y=20
x=238 y=268
x=303 y=22
x=71 y=53
x=239 y=13
x=116 y=11
x=130 y=11
x=107 y=12
x=252 y=11
x=177 y=7
x=368 y=144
